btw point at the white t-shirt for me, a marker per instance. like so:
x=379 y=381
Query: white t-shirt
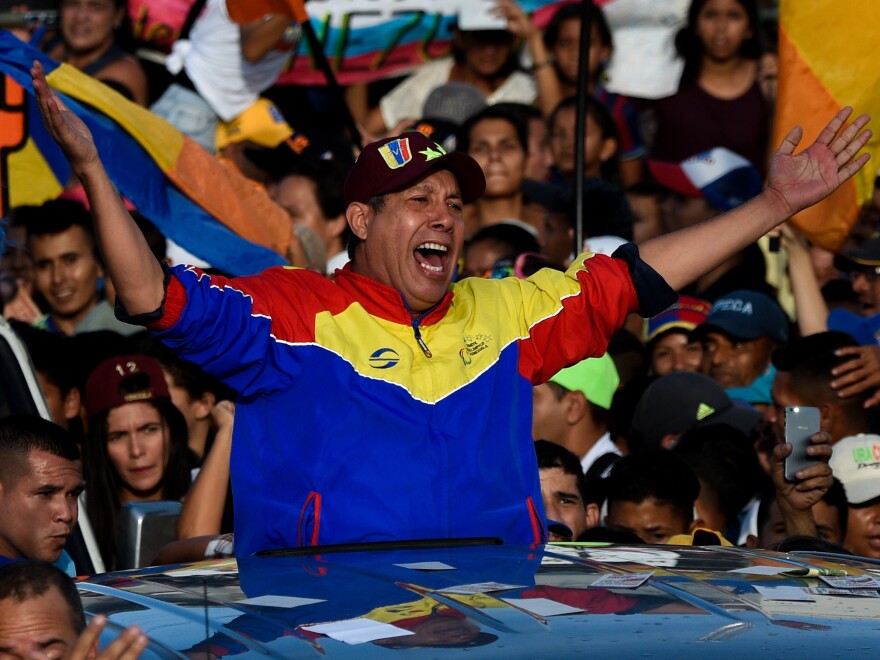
x=604 y=445
x=214 y=63
x=407 y=100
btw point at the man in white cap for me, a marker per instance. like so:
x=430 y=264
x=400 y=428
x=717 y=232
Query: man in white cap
x=856 y=463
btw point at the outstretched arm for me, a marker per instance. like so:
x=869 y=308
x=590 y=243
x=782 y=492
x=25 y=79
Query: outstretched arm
x=795 y=182
x=136 y=274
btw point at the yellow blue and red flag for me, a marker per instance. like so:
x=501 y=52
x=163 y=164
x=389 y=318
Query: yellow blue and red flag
x=201 y=204
x=828 y=60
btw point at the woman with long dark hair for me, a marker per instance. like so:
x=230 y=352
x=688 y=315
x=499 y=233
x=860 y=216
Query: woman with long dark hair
x=497 y=139
x=136 y=449
x=720 y=101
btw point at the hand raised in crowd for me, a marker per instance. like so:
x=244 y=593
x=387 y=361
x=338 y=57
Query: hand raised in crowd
x=812 y=311
x=859 y=374
x=518 y=22
x=768 y=74
x=797 y=499
x=223 y=415
x=22 y=307
x=800 y=180
x=68 y=130
x=128 y=646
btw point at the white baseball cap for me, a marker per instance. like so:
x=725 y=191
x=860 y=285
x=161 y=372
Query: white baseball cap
x=855 y=461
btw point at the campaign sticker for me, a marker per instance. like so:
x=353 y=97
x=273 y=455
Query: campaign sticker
x=621 y=581
x=851 y=582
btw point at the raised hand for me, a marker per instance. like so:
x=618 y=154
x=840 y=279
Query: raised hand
x=796 y=500
x=859 y=374
x=128 y=646
x=518 y=22
x=68 y=130
x=803 y=179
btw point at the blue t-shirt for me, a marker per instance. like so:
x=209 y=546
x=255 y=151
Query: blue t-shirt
x=64 y=562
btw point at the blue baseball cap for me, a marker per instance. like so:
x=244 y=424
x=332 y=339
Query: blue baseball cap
x=745 y=315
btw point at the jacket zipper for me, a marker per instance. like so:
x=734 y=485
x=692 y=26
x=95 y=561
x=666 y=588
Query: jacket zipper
x=415 y=325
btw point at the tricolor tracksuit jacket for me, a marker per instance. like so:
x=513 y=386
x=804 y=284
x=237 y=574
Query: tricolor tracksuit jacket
x=347 y=431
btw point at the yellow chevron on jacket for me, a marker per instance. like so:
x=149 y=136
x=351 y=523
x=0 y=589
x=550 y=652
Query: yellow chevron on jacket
x=485 y=318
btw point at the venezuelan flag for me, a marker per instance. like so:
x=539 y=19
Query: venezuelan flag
x=195 y=200
x=828 y=60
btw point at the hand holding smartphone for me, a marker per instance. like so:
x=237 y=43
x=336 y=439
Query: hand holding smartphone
x=801 y=423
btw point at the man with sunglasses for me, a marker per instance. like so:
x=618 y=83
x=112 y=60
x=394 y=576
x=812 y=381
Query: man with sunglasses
x=432 y=437
x=862 y=265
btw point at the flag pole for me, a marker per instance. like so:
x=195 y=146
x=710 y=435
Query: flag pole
x=302 y=17
x=580 y=130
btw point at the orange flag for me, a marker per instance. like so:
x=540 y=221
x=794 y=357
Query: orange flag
x=828 y=60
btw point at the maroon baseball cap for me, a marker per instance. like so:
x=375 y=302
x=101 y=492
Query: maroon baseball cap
x=124 y=379
x=393 y=163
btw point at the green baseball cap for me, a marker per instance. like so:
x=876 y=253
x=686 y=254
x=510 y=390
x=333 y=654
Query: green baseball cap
x=596 y=377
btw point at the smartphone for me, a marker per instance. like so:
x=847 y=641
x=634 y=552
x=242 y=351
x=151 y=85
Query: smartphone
x=801 y=422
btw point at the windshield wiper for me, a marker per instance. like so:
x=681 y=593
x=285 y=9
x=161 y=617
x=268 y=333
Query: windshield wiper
x=373 y=546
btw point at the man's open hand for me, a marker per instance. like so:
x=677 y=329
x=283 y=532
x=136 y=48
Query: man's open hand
x=801 y=180
x=68 y=130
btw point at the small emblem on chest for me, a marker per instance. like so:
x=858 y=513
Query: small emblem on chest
x=384 y=358
x=474 y=344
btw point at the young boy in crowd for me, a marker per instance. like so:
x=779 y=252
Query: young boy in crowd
x=652 y=493
x=563 y=489
x=830 y=514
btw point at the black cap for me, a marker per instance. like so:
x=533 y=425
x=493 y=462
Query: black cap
x=684 y=400
x=867 y=255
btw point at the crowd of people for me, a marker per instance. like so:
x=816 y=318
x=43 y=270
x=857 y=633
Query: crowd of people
x=442 y=326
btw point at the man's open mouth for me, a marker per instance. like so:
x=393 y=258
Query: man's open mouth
x=432 y=257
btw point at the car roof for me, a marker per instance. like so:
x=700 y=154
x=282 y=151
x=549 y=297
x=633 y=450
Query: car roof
x=527 y=602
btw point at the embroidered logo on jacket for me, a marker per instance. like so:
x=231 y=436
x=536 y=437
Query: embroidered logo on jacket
x=474 y=344
x=396 y=153
x=384 y=358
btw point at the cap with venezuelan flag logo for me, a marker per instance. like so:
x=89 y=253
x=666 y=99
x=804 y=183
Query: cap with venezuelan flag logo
x=393 y=163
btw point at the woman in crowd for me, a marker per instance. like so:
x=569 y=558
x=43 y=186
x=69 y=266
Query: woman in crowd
x=667 y=337
x=498 y=140
x=136 y=449
x=720 y=101
x=91 y=37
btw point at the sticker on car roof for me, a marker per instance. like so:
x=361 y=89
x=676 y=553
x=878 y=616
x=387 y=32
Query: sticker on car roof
x=621 y=580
